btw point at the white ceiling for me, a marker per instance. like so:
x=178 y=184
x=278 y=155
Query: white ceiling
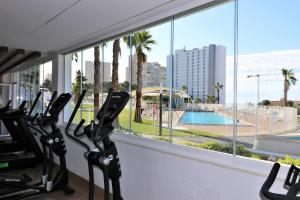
x=52 y=25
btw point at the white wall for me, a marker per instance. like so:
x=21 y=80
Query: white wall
x=158 y=170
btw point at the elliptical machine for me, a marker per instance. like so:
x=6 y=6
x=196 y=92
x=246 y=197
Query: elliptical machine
x=13 y=188
x=105 y=155
x=19 y=149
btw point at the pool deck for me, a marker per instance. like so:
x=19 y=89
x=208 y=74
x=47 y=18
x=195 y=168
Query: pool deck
x=246 y=128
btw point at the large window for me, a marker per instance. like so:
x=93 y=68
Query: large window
x=194 y=82
x=32 y=80
x=268 y=75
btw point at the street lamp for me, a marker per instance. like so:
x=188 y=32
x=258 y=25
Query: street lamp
x=160 y=108
x=258 y=93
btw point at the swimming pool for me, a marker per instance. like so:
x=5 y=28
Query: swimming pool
x=294 y=138
x=205 y=118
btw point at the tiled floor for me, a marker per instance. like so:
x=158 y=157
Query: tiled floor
x=79 y=184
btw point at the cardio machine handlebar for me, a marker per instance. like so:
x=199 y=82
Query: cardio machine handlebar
x=79 y=125
x=34 y=103
x=97 y=136
x=265 y=189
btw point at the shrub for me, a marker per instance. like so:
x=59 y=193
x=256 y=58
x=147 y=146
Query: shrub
x=288 y=160
x=166 y=139
x=290 y=103
x=222 y=147
x=298 y=110
x=266 y=102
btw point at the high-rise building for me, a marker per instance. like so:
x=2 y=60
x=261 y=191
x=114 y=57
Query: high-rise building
x=153 y=73
x=199 y=70
x=133 y=71
x=89 y=71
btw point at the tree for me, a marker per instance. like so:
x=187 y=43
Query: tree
x=133 y=87
x=141 y=41
x=47 y=84
x=211 y=99
x=115 y=64
x=184 y=88
x=266 y=102
x=197 y=100
x=96 y=80
x=288 y=80
x=290 y=103
x=124 y=86
x=218 y=87
x=76 y=87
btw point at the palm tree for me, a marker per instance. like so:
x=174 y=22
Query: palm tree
x=96 y=79
x=115 y=64
x=288 y=80
x=80 y=81
x=47 y=84
x=211 y=99
x=141 y=41
x=184 y=88
x=218 y=87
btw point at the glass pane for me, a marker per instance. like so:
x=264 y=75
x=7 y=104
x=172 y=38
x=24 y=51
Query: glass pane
x=89 y=64
x=269 y=62
x=150 y=92
x=73 y=67
x=121 y=79
x=203 y=71
x=46 y=86
x=115 y=71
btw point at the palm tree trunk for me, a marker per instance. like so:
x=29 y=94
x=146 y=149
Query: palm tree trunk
x=138 y=104
x=115 y=73
x=218 y=91
x=285 y=90
x=96 y=80
x=115 y=64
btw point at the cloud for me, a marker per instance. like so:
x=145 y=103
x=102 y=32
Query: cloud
x=268 y=65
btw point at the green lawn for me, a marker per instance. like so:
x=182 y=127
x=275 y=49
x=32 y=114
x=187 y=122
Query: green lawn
x=148 y=127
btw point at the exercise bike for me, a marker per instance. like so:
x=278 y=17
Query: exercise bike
x=292 y=184
x=105 y=155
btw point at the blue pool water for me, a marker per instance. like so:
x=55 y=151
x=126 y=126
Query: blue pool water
x=294 y=138
x=207 y=118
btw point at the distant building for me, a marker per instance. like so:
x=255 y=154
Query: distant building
x=199 y=70
x=153 y=73
x=281 y=103
x=133 y=71
x=89 y=71
x=48 y=76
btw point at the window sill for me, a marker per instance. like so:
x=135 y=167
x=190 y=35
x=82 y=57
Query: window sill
x=238 y=163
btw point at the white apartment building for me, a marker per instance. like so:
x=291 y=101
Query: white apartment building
x=89 y=71
x=199 y=70
x=153 y=73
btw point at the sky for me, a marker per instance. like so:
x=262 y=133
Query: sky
x=268 y=40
